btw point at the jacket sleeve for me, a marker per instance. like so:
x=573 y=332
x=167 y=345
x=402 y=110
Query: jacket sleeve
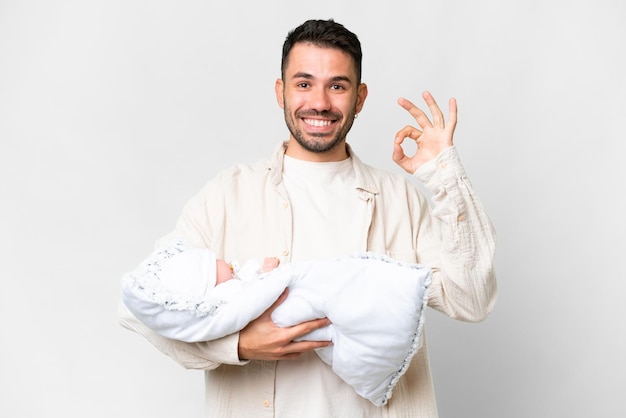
x=464 y=282
x=202 y=355
x=194 y=227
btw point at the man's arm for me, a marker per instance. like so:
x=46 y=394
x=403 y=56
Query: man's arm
x=261 y=339
x=203 y=355
x=464 y=283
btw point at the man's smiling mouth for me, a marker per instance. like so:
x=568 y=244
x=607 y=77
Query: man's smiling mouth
x=318 y=123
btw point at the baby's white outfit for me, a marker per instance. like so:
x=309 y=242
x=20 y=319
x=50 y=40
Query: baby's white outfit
x=376 y=305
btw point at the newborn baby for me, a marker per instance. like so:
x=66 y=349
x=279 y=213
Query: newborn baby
x=375 y=303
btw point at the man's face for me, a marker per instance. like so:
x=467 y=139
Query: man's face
x=320 y=96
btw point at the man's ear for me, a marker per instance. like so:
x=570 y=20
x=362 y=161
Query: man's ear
x=279 y=88
x=361 y=96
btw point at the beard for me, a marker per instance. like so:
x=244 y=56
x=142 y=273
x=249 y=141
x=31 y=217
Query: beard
x=318 y=142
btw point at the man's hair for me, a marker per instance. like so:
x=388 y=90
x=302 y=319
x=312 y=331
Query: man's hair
x=327 y=34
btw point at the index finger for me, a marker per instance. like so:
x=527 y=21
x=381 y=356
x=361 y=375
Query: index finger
x=299 y=347
x=309 y=326
x=416 y=112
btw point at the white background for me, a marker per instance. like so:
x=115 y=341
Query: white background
x=113 y=113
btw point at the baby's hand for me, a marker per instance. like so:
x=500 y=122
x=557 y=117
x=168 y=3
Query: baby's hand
x=269 y=264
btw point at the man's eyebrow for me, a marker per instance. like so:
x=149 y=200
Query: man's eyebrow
x=341 y=78
x=308 y=76
x=302 y=75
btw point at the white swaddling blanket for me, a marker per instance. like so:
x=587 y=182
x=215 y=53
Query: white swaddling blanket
x=376 y=305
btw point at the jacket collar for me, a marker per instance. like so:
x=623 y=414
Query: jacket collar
x=364 y=178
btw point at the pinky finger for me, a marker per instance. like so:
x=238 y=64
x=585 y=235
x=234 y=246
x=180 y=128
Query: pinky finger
x=453 y=112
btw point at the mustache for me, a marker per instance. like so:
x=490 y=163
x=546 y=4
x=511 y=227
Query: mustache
x=326 y=114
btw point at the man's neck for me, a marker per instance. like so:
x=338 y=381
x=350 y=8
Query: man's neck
x=337 y=153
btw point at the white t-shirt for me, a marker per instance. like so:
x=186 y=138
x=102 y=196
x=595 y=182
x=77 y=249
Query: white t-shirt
x=321 y=207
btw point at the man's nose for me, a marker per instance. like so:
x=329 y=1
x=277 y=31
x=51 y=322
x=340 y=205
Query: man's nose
x=320 y=100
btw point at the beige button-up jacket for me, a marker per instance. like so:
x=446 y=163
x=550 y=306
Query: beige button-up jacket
x=245 y=213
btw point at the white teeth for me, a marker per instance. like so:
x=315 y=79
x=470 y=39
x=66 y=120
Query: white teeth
x=317 y=122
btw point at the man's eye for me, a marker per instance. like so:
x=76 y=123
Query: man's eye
x=336 y=87
x=303 y=85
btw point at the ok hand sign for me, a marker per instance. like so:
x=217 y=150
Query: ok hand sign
x=434 y=137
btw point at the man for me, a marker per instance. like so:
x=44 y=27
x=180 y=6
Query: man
x=313 y=199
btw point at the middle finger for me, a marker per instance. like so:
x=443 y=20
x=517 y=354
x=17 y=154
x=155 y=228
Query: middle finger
x=434 y=109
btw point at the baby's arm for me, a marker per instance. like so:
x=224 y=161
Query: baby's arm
x=255 y=267
x=269 y=264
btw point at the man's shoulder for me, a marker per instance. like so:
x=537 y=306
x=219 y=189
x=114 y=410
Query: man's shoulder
x=382 y=173
x=257 y=170
x=243 y=170
x=239 y=181
x=383 y=177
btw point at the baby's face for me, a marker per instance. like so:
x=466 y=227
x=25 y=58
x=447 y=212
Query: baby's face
x=223 y=272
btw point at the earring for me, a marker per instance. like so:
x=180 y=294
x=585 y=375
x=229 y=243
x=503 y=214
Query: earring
x=356 y=115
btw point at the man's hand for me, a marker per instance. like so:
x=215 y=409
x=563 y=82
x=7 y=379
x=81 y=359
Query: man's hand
x=434 y=137
x=262 y=339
